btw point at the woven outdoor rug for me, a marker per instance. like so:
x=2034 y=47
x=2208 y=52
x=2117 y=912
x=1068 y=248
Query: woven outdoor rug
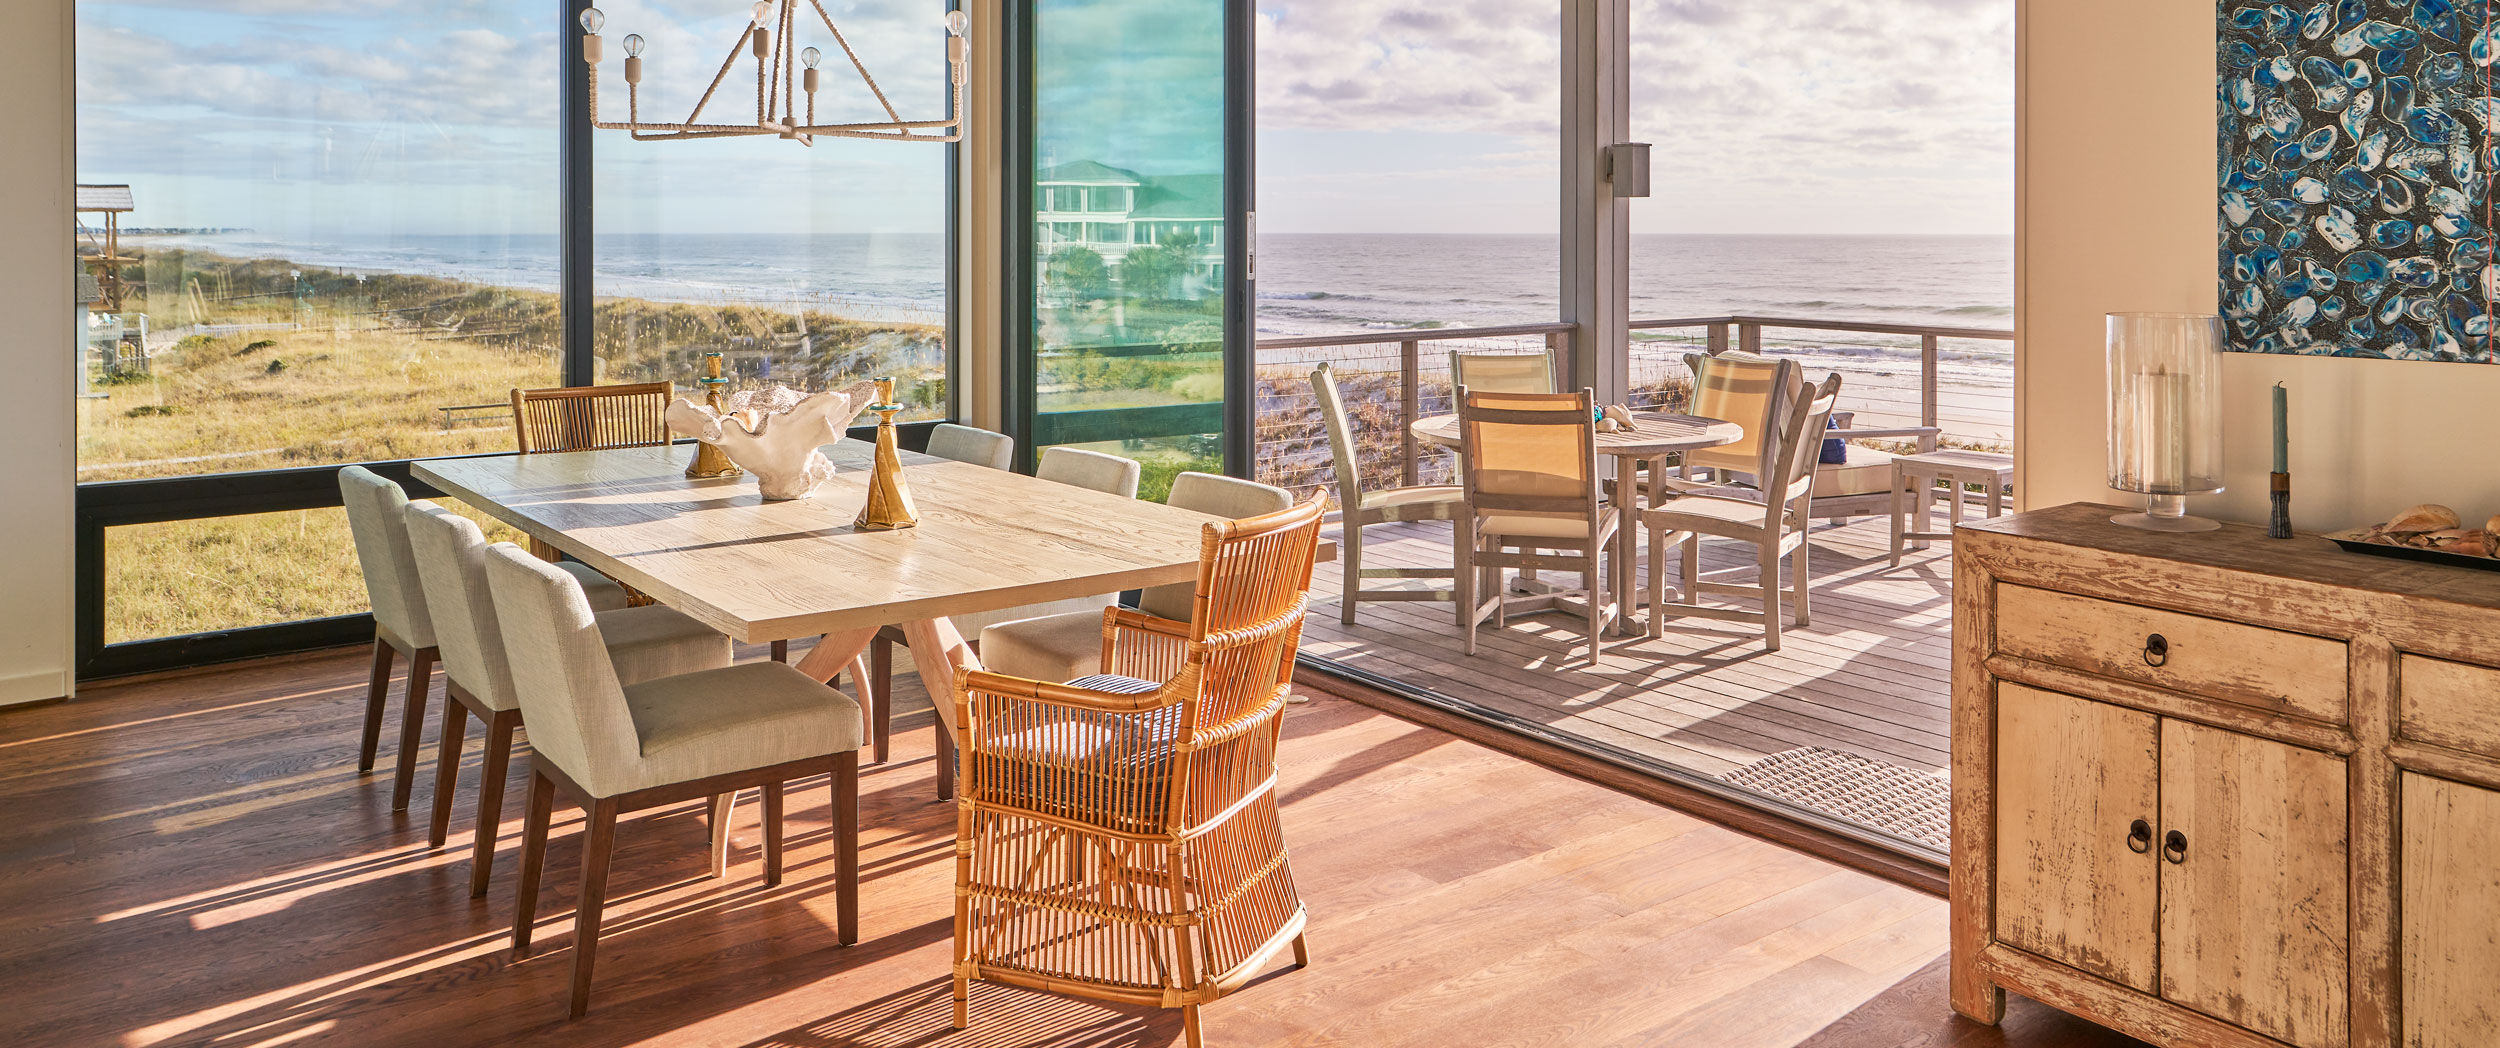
x=1905 y=803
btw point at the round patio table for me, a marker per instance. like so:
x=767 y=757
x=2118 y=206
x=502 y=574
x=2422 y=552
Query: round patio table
x=1653 y=437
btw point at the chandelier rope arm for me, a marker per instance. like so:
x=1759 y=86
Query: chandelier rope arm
x=778 y=84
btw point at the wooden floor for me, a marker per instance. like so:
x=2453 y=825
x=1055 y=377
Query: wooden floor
x=196 y=861
x=1869 y=675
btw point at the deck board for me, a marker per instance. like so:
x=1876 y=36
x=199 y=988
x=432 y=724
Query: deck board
x=1870 y=674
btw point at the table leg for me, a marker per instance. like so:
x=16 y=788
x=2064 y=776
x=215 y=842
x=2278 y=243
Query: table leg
x=833 y=652
x=943 y=658
x=1996 y=494
x=1627 y=541
x=1926 y=504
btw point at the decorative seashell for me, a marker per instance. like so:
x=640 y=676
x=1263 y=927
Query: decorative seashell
x=774 y=433
x=2456 y=540
x=2425 y=517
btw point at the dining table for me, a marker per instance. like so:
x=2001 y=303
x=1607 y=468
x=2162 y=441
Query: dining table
x=760 y=571
x=1652 y=437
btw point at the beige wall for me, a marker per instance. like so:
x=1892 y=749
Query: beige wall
x=36 y=288
x=2116 y=212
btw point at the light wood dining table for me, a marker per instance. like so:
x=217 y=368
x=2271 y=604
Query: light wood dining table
x=1653 y=436
x=763 y=571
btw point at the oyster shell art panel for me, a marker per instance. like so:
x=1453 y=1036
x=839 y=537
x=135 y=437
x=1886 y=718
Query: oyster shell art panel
x=2356 y=166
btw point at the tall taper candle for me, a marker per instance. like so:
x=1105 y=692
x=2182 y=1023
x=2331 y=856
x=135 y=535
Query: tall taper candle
x=2282 y=431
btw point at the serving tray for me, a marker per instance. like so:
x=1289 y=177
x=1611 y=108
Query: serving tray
x=2352 y=542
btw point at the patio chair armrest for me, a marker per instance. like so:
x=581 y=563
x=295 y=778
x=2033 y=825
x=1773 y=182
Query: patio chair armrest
x=1865 y=434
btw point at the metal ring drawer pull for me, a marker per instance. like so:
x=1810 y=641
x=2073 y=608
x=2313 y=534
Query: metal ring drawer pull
x=2156 y=650
x=2140 y=837
x=2174 y=847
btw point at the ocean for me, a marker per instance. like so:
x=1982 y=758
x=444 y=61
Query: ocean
x=1332 y=283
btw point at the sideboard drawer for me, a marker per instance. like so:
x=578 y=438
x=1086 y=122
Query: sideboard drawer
x=2448 y=704
x=2234 y=662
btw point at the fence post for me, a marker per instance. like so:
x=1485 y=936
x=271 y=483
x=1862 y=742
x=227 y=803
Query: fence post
x=1718 y=338
x=1410 y=396
x=1749 y=337
x=1927 y=390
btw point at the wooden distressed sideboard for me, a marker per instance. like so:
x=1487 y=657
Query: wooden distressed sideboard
x=2220 y=790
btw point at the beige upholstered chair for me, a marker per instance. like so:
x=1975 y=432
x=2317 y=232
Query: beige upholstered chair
x=1503 y=372
x=1361 y=509
x=1528 y=463
x=1775 y=525
x=401 y=625
x=643 y=644
x=1075 y=466
x=1068 y=645
x=977 y=446
x=1118 y=836
x=612 y=747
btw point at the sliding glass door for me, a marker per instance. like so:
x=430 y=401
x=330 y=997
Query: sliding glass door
x=1133 y=152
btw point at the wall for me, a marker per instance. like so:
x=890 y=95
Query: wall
x=2116 y=212
x=37 y=286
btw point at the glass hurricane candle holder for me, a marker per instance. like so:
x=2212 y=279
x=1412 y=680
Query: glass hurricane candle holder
x=2165 y=414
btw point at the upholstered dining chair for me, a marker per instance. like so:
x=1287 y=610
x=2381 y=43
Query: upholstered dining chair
x=1503 y=372
x=1068 y=645
x=967 y=444
x=1074 y=466
x=1119 y=836
x=1528 y=464
x=643 y=643
x=1775 y=525
x=402 y=625
x=612 y=747
x=1360 y=509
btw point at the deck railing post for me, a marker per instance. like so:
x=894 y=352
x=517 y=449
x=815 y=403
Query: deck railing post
x=1927 y=390
x=1718 y=338
x=1749 y=337
x=1410 y=397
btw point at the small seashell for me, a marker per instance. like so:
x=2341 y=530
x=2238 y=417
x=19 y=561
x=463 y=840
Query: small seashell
x=2425 y=517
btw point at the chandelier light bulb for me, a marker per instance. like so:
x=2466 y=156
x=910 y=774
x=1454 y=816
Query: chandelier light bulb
x=592 y=20
x=761 y=8
x=633 y=45
x=957 y=22
x=810 y=57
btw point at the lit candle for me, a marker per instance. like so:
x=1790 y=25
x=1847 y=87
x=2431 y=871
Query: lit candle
x=2282 y=430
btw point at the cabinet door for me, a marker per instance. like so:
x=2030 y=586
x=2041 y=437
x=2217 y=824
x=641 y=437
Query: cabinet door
x=2451 y=901
x=2253 y=876
x=2074 y=777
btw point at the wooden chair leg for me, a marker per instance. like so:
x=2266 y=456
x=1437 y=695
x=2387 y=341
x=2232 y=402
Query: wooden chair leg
x=598 y=842
x=377 y=692
x=1189 y=1027
x=781 y=651
x=772 y=835
x=846 y=846
x=880 y=679
x=1468 y=580
x=1900 y=509
x=724 y=812
x=1692 y=570
x=1302 y=951
x=412 y=726
x=1768 y=556
x=533 y=861
x=1598 y=591
x=490 y=799
x=871 y=704
x=447 y=769
x=1657 y=583
x=1797 y=583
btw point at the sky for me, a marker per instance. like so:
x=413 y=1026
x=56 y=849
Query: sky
x=312 y=119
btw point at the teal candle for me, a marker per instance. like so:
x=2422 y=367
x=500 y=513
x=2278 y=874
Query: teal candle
x=2282 y=430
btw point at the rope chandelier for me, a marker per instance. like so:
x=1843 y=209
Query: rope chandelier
x=782 y=74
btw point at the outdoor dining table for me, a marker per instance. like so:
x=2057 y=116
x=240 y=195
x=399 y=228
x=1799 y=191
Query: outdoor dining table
x=762 y=571
x=1652 y=438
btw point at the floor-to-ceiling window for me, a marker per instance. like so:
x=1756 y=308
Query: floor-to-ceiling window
x=1128 y=229
x=315 y=235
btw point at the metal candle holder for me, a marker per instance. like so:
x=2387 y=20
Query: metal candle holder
x=2279 y=523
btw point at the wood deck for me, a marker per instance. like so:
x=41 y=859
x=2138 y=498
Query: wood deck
x=1870 y=675
x=195 y=861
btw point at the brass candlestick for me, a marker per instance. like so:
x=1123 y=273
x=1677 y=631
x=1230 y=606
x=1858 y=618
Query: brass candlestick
x=889 y=499
x=709 y=459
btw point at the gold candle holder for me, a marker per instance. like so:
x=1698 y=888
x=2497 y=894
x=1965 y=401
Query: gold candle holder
x=709 y=460
x=889 y=498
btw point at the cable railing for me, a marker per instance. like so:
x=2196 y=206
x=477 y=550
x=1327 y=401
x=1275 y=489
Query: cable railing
x=1931 y=384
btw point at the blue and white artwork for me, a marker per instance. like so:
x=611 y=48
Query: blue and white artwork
x=2356 y=159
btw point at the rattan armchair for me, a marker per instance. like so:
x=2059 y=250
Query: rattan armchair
x=1117 y=836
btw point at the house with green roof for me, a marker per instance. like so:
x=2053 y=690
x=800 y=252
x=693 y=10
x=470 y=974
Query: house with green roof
x=1112 y=211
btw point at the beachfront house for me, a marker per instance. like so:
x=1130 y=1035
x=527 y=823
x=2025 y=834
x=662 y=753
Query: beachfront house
x=1836 y=523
